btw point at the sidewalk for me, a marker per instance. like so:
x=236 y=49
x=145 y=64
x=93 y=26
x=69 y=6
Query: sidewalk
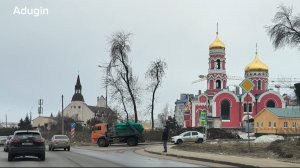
x=222 y=159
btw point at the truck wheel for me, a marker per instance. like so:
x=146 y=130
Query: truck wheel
x=131 y=141
x=102 y=142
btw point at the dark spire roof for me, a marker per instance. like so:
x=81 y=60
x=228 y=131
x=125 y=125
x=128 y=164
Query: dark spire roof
x=77 y=95
x=78 y=85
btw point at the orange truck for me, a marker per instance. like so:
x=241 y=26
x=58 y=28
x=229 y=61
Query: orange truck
x=127 y=132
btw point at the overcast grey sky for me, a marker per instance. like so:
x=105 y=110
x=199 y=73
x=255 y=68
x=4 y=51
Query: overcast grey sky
x=42 y=56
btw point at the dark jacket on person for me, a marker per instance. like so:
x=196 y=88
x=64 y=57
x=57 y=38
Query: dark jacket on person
x=165 y=134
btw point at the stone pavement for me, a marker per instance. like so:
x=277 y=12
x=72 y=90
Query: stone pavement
x=219 y=158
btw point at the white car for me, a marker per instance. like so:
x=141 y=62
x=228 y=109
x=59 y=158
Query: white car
x=2 y=140
x=189 y=136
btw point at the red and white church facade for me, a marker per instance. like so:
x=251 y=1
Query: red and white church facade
x=220 y=108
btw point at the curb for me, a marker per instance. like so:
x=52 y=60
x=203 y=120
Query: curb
x=202 y=159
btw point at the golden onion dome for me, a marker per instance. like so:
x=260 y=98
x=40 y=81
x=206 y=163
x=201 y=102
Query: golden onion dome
x=217 y=43
x=256 y=65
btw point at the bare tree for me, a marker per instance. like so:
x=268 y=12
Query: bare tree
x=163 y=116
x=155 y=74
x=121 y=69
x=118 y=92
x=286 y=30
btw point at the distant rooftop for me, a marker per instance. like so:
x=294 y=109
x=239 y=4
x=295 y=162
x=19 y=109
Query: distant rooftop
x=286 y=112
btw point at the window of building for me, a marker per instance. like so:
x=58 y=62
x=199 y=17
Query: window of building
x=274 y=124
x=294 y=124
x=257 y=124
x=270 y=103
x=218 y=84
x=270 y=124
x=218 y=64
x=250 y=107
x=79 y=107
x=285 y=124
x=259 y=85
x=225 y=110
x=261 y=124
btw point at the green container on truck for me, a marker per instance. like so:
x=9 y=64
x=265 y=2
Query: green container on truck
x=126 y=132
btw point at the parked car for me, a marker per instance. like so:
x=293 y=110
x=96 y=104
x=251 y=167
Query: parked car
x=7 y=142
x=59 y=141
x=189 y=136
x=2 y=140
x=26 y=143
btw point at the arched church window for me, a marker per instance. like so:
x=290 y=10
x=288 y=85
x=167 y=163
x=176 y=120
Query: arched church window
x=245 y=107
x=218 y=64
x=225 y=110
x=218 y=84
x=259 y=85
x=270 y=103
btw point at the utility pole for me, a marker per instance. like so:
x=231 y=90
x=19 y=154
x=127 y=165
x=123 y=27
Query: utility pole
x=62 y=114
x=106 y=80
x=106 y=85
x=6 y=120
x=40 y=108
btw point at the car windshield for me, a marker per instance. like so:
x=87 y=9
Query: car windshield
x=61 y=137
x=26 y=135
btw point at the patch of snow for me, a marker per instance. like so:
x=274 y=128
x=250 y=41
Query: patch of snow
x=244 y=135
x=268 y=138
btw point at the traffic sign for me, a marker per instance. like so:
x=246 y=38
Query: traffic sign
x=247 y=85
x=73 y=125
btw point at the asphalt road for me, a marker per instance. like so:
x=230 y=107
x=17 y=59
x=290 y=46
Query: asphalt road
x=80 y=157
x=57 y=159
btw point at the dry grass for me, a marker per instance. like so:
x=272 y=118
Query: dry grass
x=281 y=150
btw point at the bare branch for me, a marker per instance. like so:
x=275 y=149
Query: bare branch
x=286 y=30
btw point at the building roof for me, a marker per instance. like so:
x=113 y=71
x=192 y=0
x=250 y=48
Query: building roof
x=78 y=84
x=97 y=109
x=77 y=95
x=285 y=112
x=217 y=43
x=256 y=65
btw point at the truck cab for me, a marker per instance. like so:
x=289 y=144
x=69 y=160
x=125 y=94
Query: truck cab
x=99 y=130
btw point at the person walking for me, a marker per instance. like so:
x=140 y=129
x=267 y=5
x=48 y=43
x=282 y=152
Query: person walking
x=165 y=137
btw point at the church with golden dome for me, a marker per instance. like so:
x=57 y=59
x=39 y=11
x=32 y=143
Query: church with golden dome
x=220 y=108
